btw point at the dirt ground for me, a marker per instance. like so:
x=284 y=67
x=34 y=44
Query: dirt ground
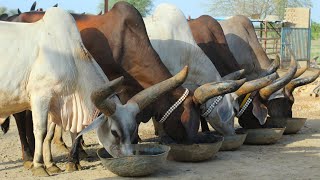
x=293 y=157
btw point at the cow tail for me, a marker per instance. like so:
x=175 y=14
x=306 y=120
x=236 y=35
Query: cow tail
x=5 y=125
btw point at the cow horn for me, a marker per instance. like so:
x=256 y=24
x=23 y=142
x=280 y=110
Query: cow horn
x=100 y=13
x=19 y=12
x=256 y=84
x=234 y=76
x=56 y=5
x=274 y=66
x=33 y=6
x=147 y=96
x=209 y=90
x=299 y=72
x=301 y=81
x=281 y=82
x=100 y=97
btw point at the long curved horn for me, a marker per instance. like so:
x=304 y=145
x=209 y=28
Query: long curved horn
x=274 y=66
x=301 y=81
x=256 y=84
x=33 y=6
x=100 y=97
x=234 y=76
x=209 y=90
x=281 y=82
x=299 y=72
x=147 y=96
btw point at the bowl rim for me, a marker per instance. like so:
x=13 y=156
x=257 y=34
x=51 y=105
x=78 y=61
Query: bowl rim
x=289 y=118
x=278 y=128
x=298 y=118
x=166 y=150
x=221 y=139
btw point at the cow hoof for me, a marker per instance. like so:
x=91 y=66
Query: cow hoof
x=39 y=171
x=71 y=167
x=54 y=169
x=27 y=164
x=62 y=147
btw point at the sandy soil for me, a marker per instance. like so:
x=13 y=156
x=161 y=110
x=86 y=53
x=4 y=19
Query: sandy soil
x=293 y=157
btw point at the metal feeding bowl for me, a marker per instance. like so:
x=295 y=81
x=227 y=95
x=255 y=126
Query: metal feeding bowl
x=146 y=160
x=294 y=125
x=206 y=147
x=262 y=136
x=233 y=142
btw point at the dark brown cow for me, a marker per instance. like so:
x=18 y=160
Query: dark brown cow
x=119 y=43
x=209 y=36
x=248 y=55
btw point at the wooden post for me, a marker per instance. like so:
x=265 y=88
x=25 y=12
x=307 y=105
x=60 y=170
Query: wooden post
x=106 y=4
x=265 y=34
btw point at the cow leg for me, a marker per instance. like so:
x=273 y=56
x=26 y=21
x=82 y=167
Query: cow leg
x=27 y=153
x=58 y=140
x=47 y=153
x=204 y=125
x=82 y=152
x=40 y=106
x=29 y=130
x=73 y=157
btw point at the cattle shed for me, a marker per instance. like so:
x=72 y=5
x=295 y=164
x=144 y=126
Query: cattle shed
x=278 y=36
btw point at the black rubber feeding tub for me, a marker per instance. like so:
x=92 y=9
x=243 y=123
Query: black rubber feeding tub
x=205 y=147
x=263 y=136
x=146 y=159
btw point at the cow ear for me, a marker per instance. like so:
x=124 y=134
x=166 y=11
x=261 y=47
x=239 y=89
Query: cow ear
x=260 y=111
x=94 y=125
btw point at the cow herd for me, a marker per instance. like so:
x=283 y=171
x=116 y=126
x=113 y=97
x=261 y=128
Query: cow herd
x=111 y=72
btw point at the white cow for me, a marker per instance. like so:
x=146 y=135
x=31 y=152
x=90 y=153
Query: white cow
x=171 y=37
x=45 y=68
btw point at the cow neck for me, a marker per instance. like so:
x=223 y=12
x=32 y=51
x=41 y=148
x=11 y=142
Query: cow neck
x=209 y=36
x=240 y=29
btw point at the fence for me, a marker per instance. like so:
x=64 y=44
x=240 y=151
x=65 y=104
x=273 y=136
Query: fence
x=298 y=39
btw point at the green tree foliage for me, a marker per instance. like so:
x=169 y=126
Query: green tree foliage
x=315 y=30
x=3 y=10
x=261 y=8
x=143 y=6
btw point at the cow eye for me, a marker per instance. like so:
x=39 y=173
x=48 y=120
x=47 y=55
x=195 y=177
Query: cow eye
x=114 y=133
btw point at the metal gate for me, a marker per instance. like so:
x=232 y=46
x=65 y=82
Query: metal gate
x=299 y=40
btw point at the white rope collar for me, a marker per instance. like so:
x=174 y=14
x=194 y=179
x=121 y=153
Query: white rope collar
x=174 y=106
x=212 y=106
x=245 y=106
